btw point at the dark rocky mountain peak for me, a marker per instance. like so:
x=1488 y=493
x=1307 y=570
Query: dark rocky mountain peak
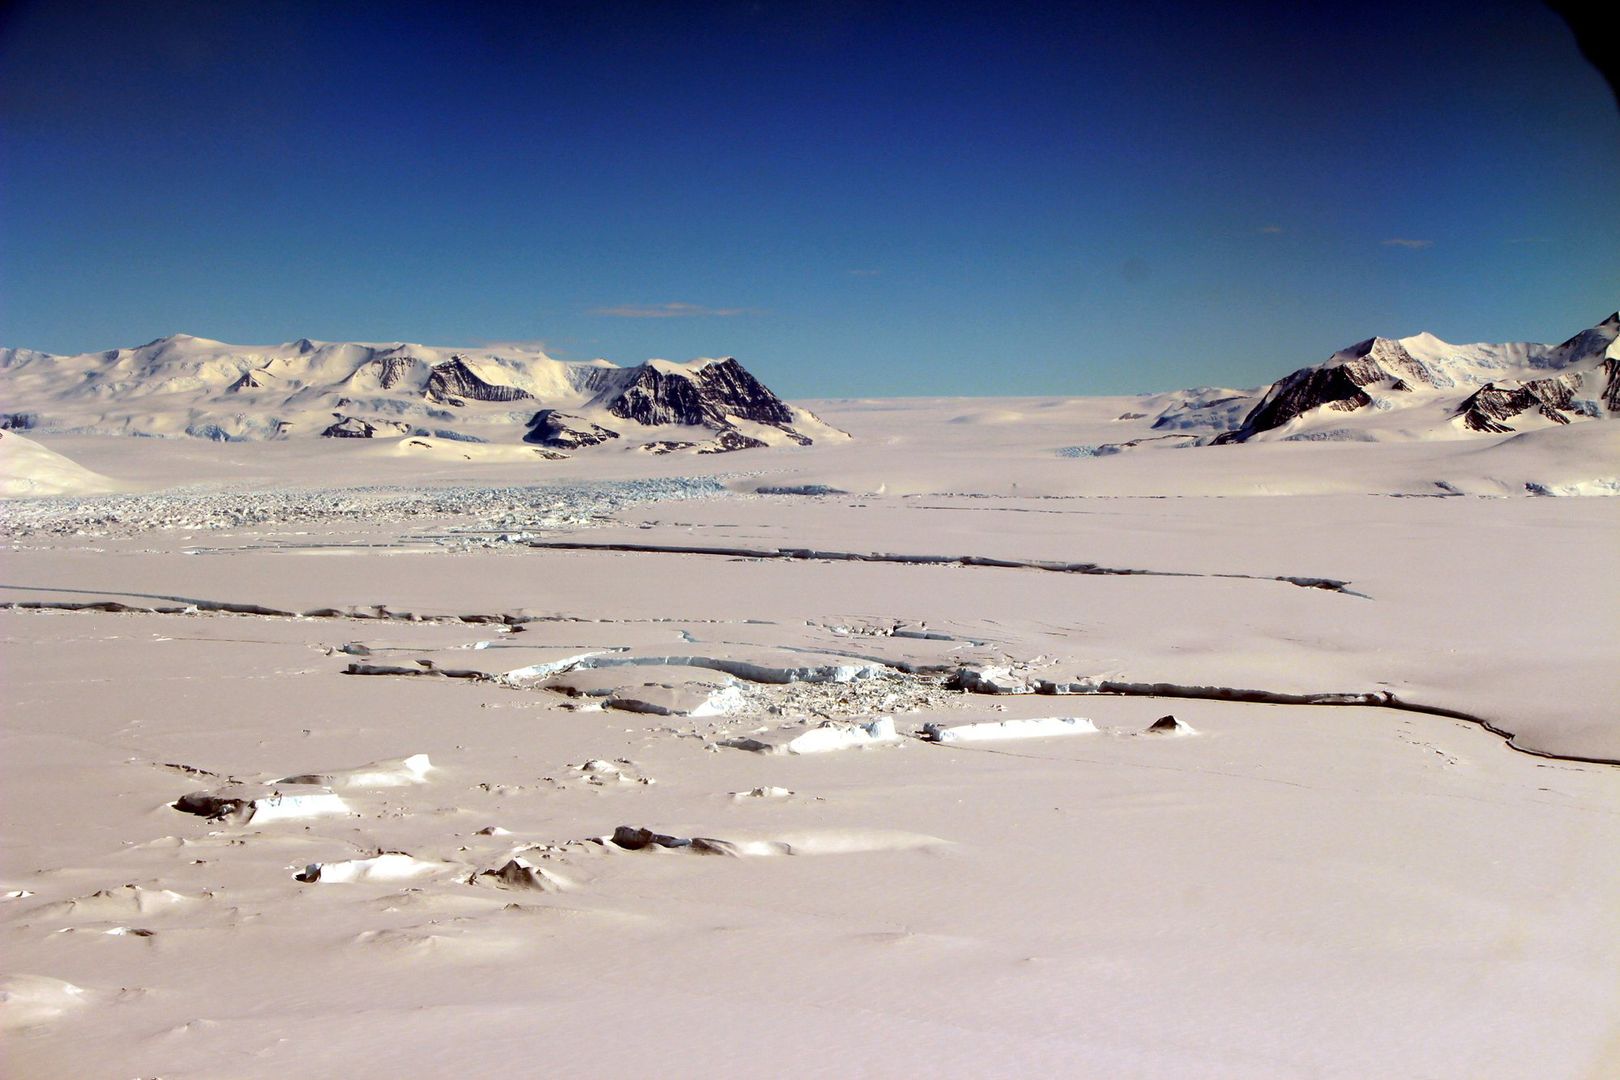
x=708 y=396
x=454 y=383
x=1338 y=384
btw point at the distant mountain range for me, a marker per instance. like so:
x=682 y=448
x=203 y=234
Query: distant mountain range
x=190 y=386
x=1411 y=388
x=1380 y=389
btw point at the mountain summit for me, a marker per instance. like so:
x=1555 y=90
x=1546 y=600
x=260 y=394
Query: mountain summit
x=1422 y=387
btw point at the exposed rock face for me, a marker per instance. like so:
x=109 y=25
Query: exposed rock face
x=565 y=430
x=350 y=427
x=1490 y=405
x=707 y=397
x=1339 y=386
x=728 y=440
x=454 y=383
x=390 y=371
x=1611 y=389
x=246 y=382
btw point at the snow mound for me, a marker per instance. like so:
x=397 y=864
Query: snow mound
x=27 y=468
x=30 y=1000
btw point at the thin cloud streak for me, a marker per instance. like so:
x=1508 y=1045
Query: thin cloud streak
x=516 y=344
x=672 y=310
x=1403 y=242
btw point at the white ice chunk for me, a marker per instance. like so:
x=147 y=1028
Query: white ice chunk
x=394 y=772
x=388 y=866
x=283 y=807
x=991 y=730
x=260 y=803
x=843 y=735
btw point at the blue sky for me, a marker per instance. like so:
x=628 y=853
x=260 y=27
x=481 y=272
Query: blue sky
x=856 y=199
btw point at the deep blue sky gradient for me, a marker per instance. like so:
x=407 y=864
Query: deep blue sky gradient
x=856 y=199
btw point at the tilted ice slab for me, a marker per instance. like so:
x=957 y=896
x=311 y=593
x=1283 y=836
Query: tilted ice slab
x=838 y=669
x=826 y=737
x=393 y=772
x=816 y=842
x=388 y=866
x=993 y=730
x=989 y=679
x=832 y=669
x=662 y=700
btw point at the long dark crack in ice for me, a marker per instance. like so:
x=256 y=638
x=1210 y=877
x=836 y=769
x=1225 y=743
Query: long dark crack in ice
x=974 y=561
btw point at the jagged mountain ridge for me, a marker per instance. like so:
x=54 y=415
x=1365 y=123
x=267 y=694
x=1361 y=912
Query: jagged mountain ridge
x=183 y=385
x=1413 y=387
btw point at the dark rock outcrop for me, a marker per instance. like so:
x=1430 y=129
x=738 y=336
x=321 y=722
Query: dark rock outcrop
x=1611 y=388
x=1490 y=405
x=246 y=382
x=565 y=430
x=728 y=440
x=390 y=371
x=349 y=427
x=454 y=383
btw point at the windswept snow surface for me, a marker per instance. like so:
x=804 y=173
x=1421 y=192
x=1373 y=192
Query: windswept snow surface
x=465 y=745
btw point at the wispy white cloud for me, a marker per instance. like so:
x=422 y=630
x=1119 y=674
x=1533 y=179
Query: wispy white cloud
x=516 y=344
x=1403 y=242
x=863 y=272
x=675 y=309
x=1271 y=230
x=1529 y=240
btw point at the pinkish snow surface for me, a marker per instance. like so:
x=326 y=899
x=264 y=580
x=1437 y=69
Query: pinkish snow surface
x=1288 y=890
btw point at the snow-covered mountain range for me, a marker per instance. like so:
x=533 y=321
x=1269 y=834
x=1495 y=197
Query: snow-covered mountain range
x=1415 y=388
x=190 y=386
x=1380 y=389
